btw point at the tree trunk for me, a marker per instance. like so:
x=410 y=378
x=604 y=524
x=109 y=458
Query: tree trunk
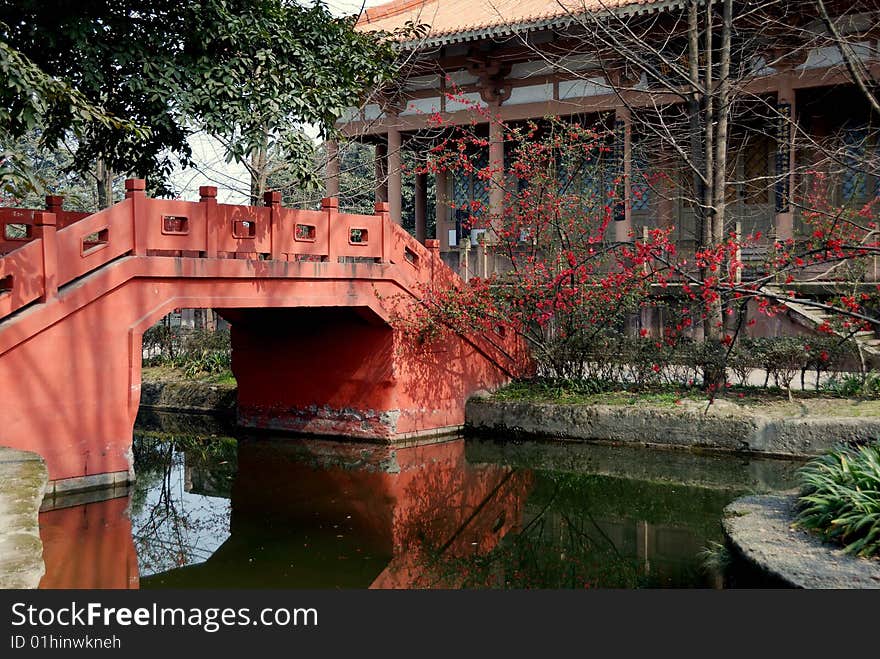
x=722 y=116
x=259 y=171
x=694 y=117
x=104 y=184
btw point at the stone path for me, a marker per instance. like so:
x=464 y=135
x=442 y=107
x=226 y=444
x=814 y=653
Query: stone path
x=759 y=528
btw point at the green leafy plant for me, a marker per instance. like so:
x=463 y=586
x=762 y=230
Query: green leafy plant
x=855 y=385
x=195 y=352
x=840 y=498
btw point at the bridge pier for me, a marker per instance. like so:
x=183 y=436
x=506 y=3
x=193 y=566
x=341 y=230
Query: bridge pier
x=344 y=371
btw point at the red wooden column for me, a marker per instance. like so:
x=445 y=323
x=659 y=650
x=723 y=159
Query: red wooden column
x=441 y=211
x=395 y=187
x=496 y=163
x=666 y=188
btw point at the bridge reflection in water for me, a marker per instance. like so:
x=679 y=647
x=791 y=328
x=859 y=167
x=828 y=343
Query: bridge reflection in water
x=322 y=514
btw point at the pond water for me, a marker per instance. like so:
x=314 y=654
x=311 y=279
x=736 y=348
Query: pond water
x=212 y=511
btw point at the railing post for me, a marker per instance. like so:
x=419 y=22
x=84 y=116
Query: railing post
x=135 y=189
x=272 y=199
x=382 y=209
x=464 y=251
x=44 y=230
x=208 y=197
x=433 y=246
x=55 y=204
x=330 y=205
x=482 y=256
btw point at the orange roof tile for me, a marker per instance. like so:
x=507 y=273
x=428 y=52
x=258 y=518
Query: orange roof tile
x=455 y=17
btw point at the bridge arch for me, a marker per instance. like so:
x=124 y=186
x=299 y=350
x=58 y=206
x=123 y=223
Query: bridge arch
x=313 y=349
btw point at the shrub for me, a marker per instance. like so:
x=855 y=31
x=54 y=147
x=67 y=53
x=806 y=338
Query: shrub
x=840 y=498
x=741 y=361
x=825 y=354
x=855 y=385
x=194 y=351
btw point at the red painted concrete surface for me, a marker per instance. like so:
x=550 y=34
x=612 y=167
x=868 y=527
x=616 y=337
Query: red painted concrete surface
x=313 y=349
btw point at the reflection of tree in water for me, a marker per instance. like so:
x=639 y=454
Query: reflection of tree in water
x=586 y=531
x=172 y=524
x=552 y=550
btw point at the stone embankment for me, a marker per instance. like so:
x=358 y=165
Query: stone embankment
x=781 y=430
x=24 y=477
x=187 y=396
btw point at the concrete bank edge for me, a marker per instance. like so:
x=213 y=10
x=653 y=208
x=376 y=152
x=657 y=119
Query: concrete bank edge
x=684 y=428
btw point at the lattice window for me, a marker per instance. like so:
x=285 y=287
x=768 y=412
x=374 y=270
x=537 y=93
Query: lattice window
x=467 y=187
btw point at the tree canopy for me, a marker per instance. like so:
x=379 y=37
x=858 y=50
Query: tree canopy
x=250 y=72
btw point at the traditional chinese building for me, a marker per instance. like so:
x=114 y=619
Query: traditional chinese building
x=527 y=59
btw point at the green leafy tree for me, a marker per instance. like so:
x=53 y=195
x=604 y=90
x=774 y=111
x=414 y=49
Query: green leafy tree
x=36 y=112
x=249 y=72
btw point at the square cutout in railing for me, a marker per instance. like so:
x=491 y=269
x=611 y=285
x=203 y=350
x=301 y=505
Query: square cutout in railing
x=17 y=231
x=175 y=225
x=244 y=229
x=95 y=240
x=411 y=257
x=358 y=236
x=305 y=233
x=5 y=284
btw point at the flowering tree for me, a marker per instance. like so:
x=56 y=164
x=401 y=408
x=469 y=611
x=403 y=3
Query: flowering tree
x=568 y=286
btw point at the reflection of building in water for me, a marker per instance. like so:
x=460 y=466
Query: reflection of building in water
x=647 y=554
x=310 y=513
x=210 y=478
x=89 y=546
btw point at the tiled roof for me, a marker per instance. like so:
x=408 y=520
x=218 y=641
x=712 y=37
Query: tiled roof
x=463 y=20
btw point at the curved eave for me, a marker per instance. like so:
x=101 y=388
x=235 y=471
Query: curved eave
x=510 y=30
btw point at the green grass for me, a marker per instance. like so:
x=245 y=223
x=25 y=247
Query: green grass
x=840 y=498
x=591 y=392
x=222 y=378
x=581 y=393
x=605 y=393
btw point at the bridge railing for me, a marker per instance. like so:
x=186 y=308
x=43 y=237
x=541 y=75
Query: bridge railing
x=43 y=250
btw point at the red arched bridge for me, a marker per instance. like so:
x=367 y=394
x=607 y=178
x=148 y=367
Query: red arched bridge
x=307 y=294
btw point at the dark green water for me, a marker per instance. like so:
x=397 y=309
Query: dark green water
x=219 y=512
